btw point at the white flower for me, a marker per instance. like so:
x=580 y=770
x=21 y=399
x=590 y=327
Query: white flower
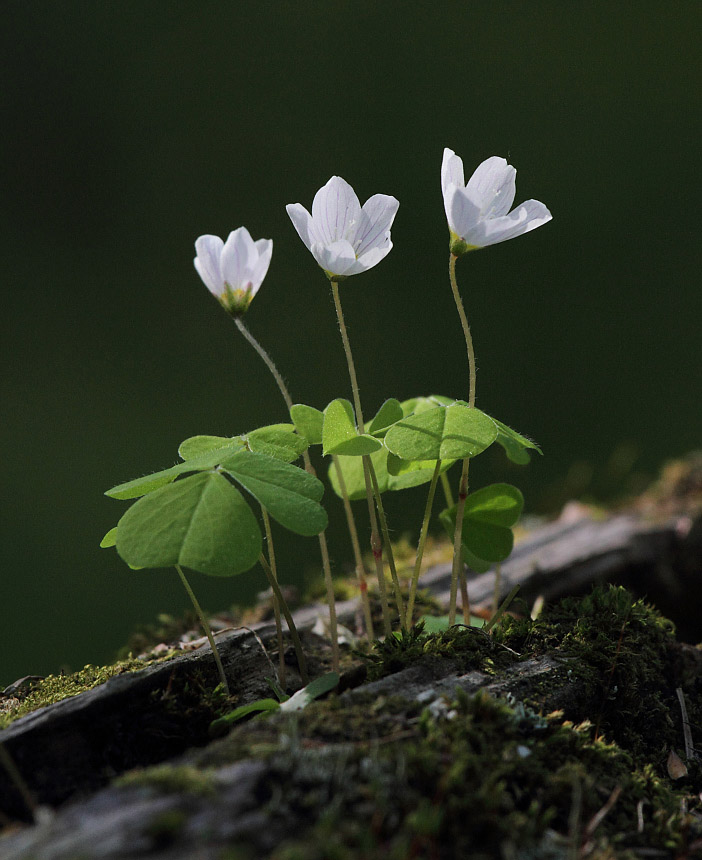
x=233 y=270
x=478 y=213
x=344 y=238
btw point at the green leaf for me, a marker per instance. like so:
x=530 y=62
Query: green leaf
x=417 y=405
x=388 y=414
x=278 y=440
x=308 y=422
x=110 y=538
x=515 y=444
x=444 y=432
x=352 y=470
x=197 y=463
x=288 y=493
x=488 y=518
x=195 y=446
x=312 y=691
x=201 y=522
x=339 y=434
x=220 y=726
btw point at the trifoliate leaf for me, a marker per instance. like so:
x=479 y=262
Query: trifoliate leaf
x=488 y=517
x=451 y=432
x=201 y=522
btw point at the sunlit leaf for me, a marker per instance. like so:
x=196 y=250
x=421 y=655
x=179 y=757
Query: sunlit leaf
x=451 y=432
x=488 y=518
x=388 y=414
x=339 y=434
x=200 y=462
x=198 y=445
x=201 y=522
x=308 y=422
x=515 y=445
x=289 y=494
x=315 y=689
x=110 y=538
x=277 y=440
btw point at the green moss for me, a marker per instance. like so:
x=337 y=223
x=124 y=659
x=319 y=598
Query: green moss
x=622 y=650
x=468 y=646
x=487 y=780
x=171 y=779
x=54 y=688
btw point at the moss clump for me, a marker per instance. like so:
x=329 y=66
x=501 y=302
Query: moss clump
x=170 y=779
x=54 y=688
x=622 y=649
x=469 y=647
x=485 y=780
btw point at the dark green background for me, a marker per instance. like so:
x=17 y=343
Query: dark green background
x=128 y=129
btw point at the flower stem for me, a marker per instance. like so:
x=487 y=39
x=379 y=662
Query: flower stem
x=388 y=545
x=276 y=607
x=267 y=360
x=457 y=567
x=353 y=533
x=323 y=549
x=206 y=627
x=448 y=495
x=497 y=588
x=376 y=543
x=422 y=542
x=301 y=661
x=466 y=327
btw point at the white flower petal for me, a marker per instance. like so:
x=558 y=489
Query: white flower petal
x=336 y=211
x=337 y=258
x=207 y=262
x=239 y=256
x=451 y=170
x=379 y=211
x=303 y=223
x=265 y=252
x=493 y=186
x=530 y=215
x=462 y=213
x=371 y=257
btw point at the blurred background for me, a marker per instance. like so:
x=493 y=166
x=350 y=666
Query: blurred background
x=130 y=128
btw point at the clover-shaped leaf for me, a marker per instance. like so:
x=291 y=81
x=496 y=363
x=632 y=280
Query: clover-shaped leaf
x=339 y=434
x=442 y=433
x=277 y=440
x=515 y=445
x=389 y=413
x=201 y=522
x=288 y=493
x=488 y=517
x=308 y=422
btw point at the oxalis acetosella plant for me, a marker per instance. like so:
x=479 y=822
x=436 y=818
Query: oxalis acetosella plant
x=194 y=514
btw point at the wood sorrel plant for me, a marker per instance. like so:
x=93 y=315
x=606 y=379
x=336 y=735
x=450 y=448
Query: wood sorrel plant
x=194 y=515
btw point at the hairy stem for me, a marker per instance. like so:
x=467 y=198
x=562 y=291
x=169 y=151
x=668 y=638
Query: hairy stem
x=206 y=627
x=422 y=542
x=301 y=661
x=376 y=543
x=358 y=557
x=323 y=549
x=457 y=567
x=388 y=546
x=276 y=607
